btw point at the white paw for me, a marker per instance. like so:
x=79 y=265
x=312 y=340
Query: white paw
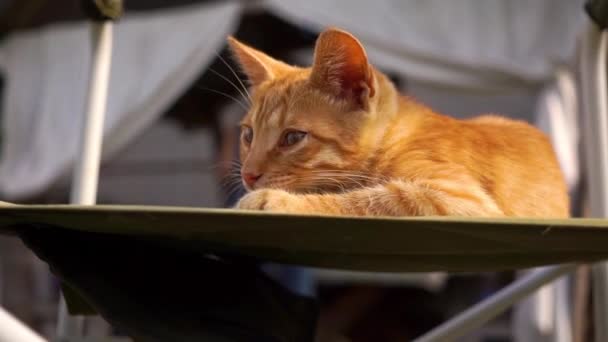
x=269 y=200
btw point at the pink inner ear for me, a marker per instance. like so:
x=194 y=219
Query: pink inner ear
x=354 y=79
x=341 y=66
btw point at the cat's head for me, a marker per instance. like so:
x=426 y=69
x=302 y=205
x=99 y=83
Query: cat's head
x=309 y=129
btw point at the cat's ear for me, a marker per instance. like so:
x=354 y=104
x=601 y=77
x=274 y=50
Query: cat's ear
x=257 y=65
x=341 y=67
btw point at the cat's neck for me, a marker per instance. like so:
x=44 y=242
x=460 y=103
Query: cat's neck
x=384 y=110
x=384 y=114
x=397 y=118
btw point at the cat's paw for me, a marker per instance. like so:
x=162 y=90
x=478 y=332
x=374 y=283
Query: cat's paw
x=270 y=200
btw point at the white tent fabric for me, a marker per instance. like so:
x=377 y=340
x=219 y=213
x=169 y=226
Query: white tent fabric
x=479 y=44
x=156 y=57
x=558 y=116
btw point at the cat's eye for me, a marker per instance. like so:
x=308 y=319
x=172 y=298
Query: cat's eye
x=291 y=137
x=247 y=134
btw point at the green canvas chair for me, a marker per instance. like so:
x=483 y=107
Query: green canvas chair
x=109 y=255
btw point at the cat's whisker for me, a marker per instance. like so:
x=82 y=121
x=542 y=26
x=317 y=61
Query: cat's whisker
x=233 y=190
x=241 y=104
x=346 y=172
x=247 y=99
x=223 y=164
x=235 y=75
x=231 y=161
x=231 y=182
x=359 y=180
x=232 y=169
x=231 y=178
x=235 y=168
x=319 y=182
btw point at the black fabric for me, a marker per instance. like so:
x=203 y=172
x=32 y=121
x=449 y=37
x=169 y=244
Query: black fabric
x=30 y=14
x=103 y=10
x=598 y=11
x=155 y=293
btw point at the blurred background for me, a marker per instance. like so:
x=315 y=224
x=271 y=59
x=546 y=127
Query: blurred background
x=171 y=133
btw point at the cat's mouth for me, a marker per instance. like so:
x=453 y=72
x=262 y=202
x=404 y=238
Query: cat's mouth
x=268 y=181
x=248 y=187
x=260 y=183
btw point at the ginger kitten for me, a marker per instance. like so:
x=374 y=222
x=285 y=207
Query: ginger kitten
x=337 y=138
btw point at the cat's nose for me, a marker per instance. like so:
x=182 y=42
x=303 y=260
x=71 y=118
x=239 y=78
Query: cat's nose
x=251 y=178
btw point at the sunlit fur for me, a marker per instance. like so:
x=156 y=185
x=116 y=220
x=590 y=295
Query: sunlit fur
x=370 y=151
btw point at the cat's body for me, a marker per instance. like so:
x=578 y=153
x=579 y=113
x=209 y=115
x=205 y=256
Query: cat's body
x=337 y=138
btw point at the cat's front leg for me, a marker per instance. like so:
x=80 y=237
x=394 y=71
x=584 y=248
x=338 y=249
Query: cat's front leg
x=270 y=200
x=459 y=197
x=276 y=200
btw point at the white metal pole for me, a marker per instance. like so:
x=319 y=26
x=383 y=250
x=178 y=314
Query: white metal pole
x=84 y=186
x=594 y=104
x=12 y=330
x=480 y=313
x=86 y=174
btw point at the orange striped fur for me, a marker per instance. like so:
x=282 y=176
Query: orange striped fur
x=360 y=148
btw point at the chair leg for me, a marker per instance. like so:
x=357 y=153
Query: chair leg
x=84 y=187
x=482 y=312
